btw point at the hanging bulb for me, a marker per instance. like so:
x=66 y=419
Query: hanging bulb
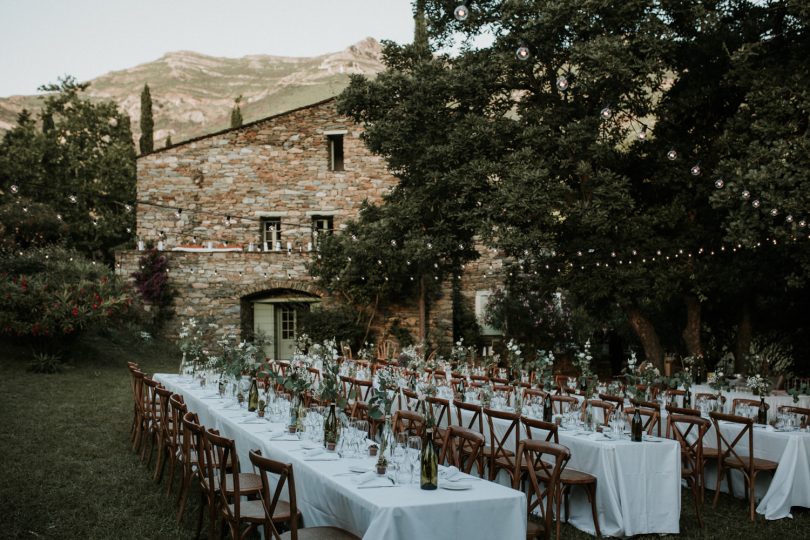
x=745 y=194
x=606 y=113
x=72 y=199
x=25 y=209
x=719 y=183
x=59 y=217
x=522 y=53
x=695 y=170
x=774 y=212
x=789 y=218
x=562 y=83
x=354 y=237
x=642 y=136
x=128 y=208
x=429 y=245
x=672 y=155
x=14 y=188
x=461 y=13
x=394 y=243
x=755 y=203
x=178 y=213
x=802 y=224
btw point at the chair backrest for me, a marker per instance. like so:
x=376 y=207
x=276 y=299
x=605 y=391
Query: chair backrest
x=387 y=349
x=150 y=401
x=649 y=419
x=461 y=447
x=196 y=442
x=346 y=350
x=219 y=451
x=270 y=495
x=360 y=412
x=409 y=422
x=606 y=407
x=726 y=448
x=557 y=403
x=440 y=409
x=500 y=444
x=411 y=400
x=689 y=430
x=743 y=401
x=561 y=383
x=617 y=401
x=361 y=389
x=316 y=374
x=532 y=393
x=163 y=419
x=177 y=409
x=794 y=410
x=542 y=491
x=672 y=409
x=550 y=428
x=475 y=422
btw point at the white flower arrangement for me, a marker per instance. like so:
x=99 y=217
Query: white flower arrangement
x=759 y=385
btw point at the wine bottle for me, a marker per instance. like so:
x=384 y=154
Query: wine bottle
x=253 y=395
x=687 y=398
x=429 y=463
x=462 y=391
x=547 y=410
x=636 y=427
x=330 y=428
x=762 y=413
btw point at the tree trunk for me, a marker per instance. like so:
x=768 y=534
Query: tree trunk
x=744 y=332
x=691 y=332
x=422 y=310
x=647 y=335
x=371 y=317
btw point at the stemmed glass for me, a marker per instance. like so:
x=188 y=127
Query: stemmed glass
x=414 y=453
x=361 y=426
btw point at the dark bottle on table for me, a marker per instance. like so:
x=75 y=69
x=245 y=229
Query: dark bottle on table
x=547 y=410
x=635 y=427
x=462 y=390
x=687 y=398
x=253 y=395
x=330 y=428
x=762 y=412
x=429 y=463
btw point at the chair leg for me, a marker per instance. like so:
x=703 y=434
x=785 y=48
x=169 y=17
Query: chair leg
x=752 y=487
x=717 y=485
x=695 y=494
x=172 y=461
x=200 y=514
x=182 y=497
x=161 y=459
x=558 y=496
x=567 y=490
x=591 y=491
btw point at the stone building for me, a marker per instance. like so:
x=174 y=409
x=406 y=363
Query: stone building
x=239 y=213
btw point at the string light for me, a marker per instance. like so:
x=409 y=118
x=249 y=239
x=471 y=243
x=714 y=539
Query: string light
x=719 y=183
x=562 y=83
x=745 y=194
x=606 y=113
x=14 y=188
x=695 y=170
x=672 y=155
x=755 y=203
x=73 y=199
x=461 y=13
x=522 y=53
x=642 y=136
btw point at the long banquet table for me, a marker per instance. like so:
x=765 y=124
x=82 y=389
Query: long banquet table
x=488 y=510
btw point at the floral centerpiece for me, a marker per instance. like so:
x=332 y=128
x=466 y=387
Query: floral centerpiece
x=461 y=355
x=411 y=358
x=386 y=386
x=514 y=359
x=588 y=380
x=192 y=343
x=297 y=381
x=759 y=385
x=544 y=369
x=725 y=366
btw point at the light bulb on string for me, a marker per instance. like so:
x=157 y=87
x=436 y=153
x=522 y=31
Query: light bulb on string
x=642 y=135
x=606 y=113
x=73 y=199
x=562 y=83
x=461 y=13
x=14 y=188
x=522 y=53
x=25 y=209
x=695 y=170
x=774 y=212
x=59 y=217
x=128 y=208
x=802 y=224
x=789 y=218
x=745 y=194
x=719 y=183
x=178 y=213
x=755 y=203
x=672 y=155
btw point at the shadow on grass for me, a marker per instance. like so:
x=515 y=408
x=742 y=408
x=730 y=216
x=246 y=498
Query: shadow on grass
x=72 y=473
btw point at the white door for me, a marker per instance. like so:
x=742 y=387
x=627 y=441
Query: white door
x=286 y=322
x=264 y=320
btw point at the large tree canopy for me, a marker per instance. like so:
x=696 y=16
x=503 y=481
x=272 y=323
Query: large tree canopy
x=78 y=170
x=611 y=151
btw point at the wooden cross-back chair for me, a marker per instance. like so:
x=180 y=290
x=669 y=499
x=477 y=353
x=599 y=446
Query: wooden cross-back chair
x=139 y=414
x=151 y=417
x=165 y=430
x=387 y=349
x=174 y=440
x=408 y=400
x=689 y=431
x=189 y=462
x=617 y=401
x=606 y=407
x=729 y=457
x=440 y=409
x=360 y=412
x=543 y=492
x=270 y=497
x=461 y=447
x=649 y=419
x=409 y=422
x=499 y=455
x=557 y=403
x=569 y=478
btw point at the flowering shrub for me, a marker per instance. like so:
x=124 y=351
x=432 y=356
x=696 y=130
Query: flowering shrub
x=50 y=294
x=152 y=280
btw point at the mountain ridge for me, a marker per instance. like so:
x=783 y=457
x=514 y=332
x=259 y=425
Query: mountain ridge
x=193 y=93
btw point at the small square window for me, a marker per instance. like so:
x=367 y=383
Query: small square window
x=321 y=225
x=271 y=233
x=335 y=152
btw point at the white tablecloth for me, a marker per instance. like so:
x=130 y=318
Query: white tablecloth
x=638 y=485
x=488 y=510
x=774 y=402
x=790 y=484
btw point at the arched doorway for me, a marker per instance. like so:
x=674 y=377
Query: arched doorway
x=274 y=314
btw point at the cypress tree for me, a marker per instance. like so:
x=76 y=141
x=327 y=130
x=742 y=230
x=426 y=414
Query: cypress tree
x=47 y=123
x=146 y=142
x=168 y=141
x=420 y=35
x=236 y=113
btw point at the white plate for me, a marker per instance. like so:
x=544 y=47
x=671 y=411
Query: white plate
x=455 y=486
x=309 y=445
x=358 y=469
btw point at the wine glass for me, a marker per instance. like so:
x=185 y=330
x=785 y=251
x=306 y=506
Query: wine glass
x=414 y=453
x=362 y=434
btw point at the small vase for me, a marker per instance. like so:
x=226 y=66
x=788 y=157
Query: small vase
x=381 y=468
x=387 y=439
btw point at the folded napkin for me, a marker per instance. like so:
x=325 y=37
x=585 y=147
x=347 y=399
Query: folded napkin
x=253 y=420
x=325 y=456
x=598 y=437
x=451 y=474
x=313 y=452
x=282 y=436
x=372 y=479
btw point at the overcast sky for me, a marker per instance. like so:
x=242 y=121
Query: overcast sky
x=43 y=39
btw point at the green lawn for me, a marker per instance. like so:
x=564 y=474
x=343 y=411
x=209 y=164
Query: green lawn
x=72 y=473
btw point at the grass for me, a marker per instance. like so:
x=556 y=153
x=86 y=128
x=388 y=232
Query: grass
x=71 y=472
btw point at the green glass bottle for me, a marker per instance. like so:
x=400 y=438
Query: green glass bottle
x=330 y=429
x=253 y=395
x=547 y=409
x=762 y=412
x=636 y=427
x=429 y=463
